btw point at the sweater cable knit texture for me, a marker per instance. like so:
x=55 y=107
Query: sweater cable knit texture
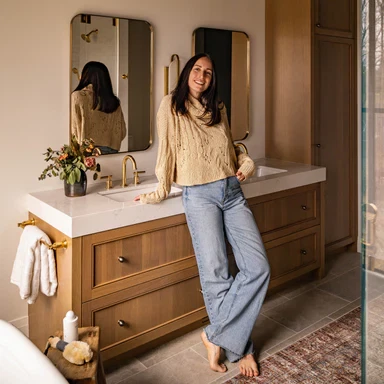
x=106 y=129
x=192 y=153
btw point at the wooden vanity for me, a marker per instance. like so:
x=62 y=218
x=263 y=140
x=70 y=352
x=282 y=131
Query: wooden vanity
x=140 y=285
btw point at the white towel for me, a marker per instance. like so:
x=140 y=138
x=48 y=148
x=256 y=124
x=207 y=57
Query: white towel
x=34 y=266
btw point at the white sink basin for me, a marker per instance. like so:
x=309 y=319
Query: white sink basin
x=262 y=170
x=128 y=194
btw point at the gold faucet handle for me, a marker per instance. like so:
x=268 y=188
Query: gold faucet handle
x=108 y=184
x=136 y=174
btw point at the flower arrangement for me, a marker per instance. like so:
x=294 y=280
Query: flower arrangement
x=71 y=160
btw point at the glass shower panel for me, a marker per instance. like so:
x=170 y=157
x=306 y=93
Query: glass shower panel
x=372 y=155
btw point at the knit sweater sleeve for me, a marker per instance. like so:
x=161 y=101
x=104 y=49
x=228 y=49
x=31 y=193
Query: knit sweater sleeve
x=166 y=157
x=244 y=163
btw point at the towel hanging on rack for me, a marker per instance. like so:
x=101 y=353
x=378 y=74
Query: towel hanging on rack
x=34 y=267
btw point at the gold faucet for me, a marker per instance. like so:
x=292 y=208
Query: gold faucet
x=242 y=146
x=135 y=171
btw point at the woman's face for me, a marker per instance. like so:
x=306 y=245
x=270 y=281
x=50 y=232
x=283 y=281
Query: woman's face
x=200 y=77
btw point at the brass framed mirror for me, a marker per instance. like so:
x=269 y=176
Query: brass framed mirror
x=125 y=47
x=230 y=50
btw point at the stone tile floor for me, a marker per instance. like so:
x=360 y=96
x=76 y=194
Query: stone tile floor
x=286 y=316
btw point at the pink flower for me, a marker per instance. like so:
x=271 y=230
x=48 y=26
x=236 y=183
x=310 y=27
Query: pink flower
x=89 y=162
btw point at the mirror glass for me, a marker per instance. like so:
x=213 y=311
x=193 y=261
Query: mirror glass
x=231 y=53
x=125 y=47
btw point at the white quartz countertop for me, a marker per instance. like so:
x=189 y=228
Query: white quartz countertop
x=79 y=216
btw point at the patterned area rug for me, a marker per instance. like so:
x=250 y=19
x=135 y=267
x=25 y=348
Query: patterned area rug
x=330 y=355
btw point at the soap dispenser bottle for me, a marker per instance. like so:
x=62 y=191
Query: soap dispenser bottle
x=70 y=327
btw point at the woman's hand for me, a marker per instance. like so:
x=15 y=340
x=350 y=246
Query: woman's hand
x=240 y=176
x=137 y=198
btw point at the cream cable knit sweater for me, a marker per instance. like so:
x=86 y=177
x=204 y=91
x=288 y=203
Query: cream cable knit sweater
x=192 y=153
x=106 y=129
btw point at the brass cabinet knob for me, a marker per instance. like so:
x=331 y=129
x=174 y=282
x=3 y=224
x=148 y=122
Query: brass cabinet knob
x=303 y=252
x=304 y=207
x=318 y=25
x=124 y=76
x=121 y=259
x=318 y=145
x=201 y=291
x=121 y=323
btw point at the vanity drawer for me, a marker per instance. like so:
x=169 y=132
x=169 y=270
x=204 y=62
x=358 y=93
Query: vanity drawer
x=294 y=255
x=286 y=212
x=130 y=321
x=125 y=257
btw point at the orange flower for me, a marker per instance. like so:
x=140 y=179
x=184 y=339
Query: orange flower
x=63 y=156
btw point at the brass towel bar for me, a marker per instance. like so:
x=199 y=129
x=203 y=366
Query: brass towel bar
x=54 y=246
x=27 y=222
x=57 y=244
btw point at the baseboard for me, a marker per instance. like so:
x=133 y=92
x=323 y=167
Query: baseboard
x=21 y=324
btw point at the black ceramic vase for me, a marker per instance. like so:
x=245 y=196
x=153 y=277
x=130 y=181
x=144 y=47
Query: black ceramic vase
x=77 y=189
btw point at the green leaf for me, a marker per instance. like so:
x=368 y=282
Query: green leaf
x=71 y=178
x=77 y=174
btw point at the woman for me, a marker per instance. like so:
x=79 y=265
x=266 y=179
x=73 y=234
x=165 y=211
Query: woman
x=96 y=111
x=196 y=151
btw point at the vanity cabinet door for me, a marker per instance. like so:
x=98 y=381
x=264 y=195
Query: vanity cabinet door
x=294 y=255
x=286 y=212
x=122 y=258
x=335 y=17
x=145 y=316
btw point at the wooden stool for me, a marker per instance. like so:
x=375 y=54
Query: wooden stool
x=88 y=373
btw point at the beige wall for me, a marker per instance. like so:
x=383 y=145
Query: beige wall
x=34 y=92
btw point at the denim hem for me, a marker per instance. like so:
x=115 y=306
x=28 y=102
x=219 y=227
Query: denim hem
x=238 y=357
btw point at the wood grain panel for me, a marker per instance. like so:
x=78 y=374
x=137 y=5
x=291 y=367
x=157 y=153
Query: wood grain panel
x=140 y=252
x=288 y=60
x=146 y=312
x=150 y=250
x=287 y=211
x=335 y=17
x=335 y=116
x=45 y=316
x=294 y=255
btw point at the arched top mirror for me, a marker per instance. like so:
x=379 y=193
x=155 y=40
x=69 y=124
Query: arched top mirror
x=125 y=47
x=230 y=50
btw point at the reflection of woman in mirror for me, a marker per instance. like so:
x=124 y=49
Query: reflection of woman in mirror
x=196 y=151
x=95 y=110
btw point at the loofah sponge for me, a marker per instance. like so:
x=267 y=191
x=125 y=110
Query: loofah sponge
x=76 y=352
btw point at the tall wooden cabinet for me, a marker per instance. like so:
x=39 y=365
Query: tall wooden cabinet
x=311 y=101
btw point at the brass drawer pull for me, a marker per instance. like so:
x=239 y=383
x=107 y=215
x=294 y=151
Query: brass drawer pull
x=303 y=252
x=121 y=323
x=121 y=259
x=304 y=207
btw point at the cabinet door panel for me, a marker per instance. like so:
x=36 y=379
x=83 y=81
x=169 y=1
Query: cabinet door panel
x=294 y=255
x=121 y=258
x=335 y=17
x=299 y=209
x=131 y=318
x=335 y=134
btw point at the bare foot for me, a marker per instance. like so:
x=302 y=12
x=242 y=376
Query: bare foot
x=248 y=366
x=213 y=354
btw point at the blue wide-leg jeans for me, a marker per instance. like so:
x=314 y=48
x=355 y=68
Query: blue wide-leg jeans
x=217 y=211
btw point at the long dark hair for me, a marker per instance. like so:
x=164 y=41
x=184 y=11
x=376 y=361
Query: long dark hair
x=97 y=74
x=209 y=98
